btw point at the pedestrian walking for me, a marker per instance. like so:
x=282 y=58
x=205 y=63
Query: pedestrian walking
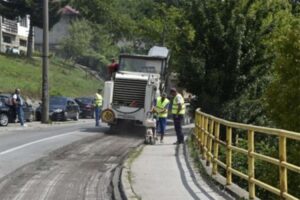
x=178 y=111
x=18 y=103
x=98 y=105
x=161 y=108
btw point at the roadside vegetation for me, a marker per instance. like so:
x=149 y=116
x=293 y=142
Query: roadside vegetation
x=65 y=79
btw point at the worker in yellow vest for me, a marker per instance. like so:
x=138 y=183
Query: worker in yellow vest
x=178 y=111
x=98 y=105
x=161 y=108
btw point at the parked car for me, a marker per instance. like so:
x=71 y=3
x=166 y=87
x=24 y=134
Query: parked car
x=60 y=108
x=86 y=105
x=8 y=114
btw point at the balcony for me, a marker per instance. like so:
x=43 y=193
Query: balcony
x=9 y=26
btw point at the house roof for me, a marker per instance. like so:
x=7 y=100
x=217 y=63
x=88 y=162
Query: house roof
x=68 y=10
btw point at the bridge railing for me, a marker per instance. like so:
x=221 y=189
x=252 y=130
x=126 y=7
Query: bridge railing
x=207 y=134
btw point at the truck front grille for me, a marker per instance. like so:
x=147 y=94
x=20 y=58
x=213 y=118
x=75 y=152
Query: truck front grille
x=129 y=92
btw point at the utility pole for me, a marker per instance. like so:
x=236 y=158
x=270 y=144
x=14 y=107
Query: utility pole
x=45 y=90
x=0 y=34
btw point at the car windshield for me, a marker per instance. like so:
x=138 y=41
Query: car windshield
x=136 y=64
x=85 y=100
x=58 y=101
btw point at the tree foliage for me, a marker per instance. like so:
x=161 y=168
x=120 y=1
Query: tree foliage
x=92 y=47
x=229 y=56
x=283 y=95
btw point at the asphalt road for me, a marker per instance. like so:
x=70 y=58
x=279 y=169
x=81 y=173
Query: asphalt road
x=71 y=161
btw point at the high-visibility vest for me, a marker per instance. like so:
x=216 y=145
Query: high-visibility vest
x=161 y=106
x=175 y=106
x=98 y=100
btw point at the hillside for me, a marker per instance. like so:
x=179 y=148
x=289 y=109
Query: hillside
x=26 y=74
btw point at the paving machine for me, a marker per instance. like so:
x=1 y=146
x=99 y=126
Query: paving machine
x=128 y=97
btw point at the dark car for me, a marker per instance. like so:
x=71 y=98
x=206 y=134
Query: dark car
x=61 y=108
x=86 y=105
x=8 y=114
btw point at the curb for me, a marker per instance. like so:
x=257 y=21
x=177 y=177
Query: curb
x=126 y=190
x=38 y=125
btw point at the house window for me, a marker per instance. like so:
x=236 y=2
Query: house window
x=23 y=22
x=23 y=43
x=7 y=39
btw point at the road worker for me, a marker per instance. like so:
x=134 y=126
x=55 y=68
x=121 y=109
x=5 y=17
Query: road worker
x=161 y=108
x=178 y=111
x=112 y=69
x=98 y=105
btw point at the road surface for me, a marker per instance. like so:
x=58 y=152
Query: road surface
x=72 y=161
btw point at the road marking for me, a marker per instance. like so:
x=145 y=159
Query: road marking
x=35 y=142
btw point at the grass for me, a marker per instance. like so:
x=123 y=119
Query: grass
x=26 y=74
x=133 y=155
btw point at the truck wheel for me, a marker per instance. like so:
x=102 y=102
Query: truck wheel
x=3 y=119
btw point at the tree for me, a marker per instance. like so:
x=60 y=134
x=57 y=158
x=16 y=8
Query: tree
x=77 y=43
x=92 y=47
x=20 y=8
x=230 y=53
x=283 y=95
x=111 y=14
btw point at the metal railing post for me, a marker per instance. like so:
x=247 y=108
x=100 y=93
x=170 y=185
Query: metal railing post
x=201 y=133
x=216 y=149
x=251 y=164
x=209 y=141
x=283 y=169
x=196 y=136
x=204 y=157
x=228 y=155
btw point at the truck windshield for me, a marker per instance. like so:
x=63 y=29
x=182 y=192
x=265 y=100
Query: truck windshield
x=141 y=65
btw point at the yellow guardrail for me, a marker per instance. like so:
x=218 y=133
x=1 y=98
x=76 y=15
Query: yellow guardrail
x=207 y=134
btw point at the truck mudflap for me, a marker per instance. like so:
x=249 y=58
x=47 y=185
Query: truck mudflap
x=108 y=116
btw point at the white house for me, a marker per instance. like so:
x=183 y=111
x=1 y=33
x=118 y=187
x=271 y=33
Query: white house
x=14 y=34
x=58 y=31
